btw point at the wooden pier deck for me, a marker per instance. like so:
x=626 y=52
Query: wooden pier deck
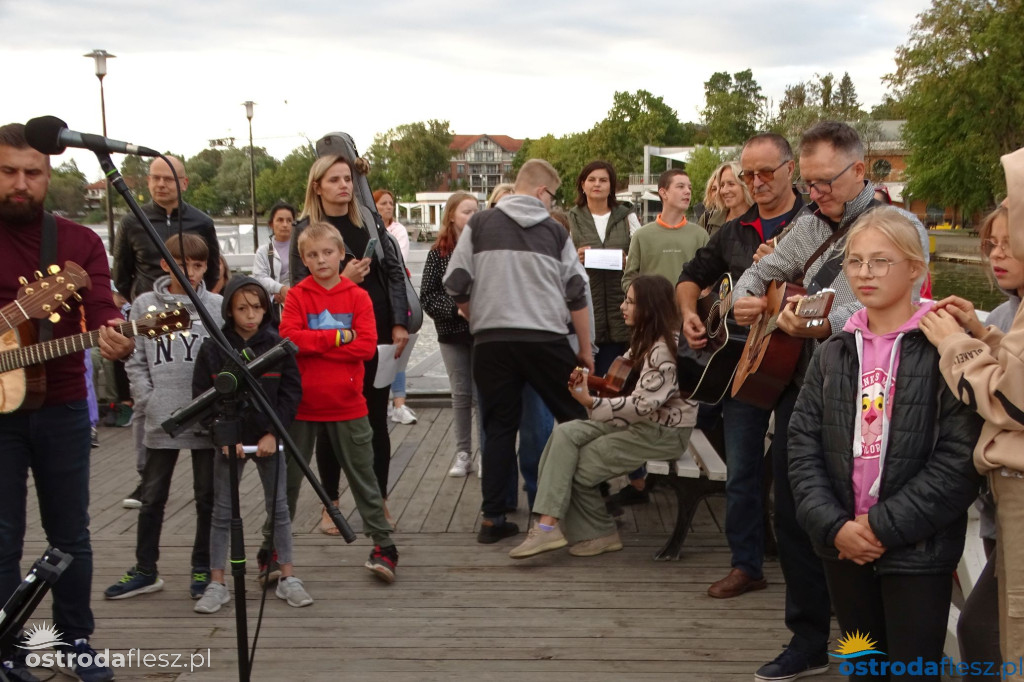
x=457 y=611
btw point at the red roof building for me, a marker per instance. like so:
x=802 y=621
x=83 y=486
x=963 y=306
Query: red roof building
x=479 y=162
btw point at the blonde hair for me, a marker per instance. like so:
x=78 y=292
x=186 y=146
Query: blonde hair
x=985 y=231
x=712 y=203
x=736 y=169
x=321 y=230
x=499 y=193
x=895 y=226
x=313 y=207
x=537 y=173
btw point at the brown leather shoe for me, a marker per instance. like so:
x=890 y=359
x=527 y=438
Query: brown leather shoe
x=735 y=584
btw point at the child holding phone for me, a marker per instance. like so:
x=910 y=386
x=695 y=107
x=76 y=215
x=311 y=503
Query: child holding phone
x=879 y=455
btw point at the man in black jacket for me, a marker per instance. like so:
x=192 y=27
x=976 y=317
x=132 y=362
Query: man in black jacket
x=767 y=162
x=136 y=258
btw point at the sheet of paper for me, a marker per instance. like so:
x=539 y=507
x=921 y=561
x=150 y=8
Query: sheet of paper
x=603 y=259
x=388 y=366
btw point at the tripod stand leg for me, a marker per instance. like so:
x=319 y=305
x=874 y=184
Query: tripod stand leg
x=238 y=573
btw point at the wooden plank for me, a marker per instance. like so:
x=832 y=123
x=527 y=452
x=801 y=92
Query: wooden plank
x=706 y=456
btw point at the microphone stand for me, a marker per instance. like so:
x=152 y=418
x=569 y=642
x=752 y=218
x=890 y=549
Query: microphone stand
x=252 y=385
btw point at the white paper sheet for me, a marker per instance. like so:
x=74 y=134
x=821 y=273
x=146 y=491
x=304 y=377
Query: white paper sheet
x=603 y=259
x=388 y=366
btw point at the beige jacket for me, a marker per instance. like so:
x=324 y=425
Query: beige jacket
x=988 y=375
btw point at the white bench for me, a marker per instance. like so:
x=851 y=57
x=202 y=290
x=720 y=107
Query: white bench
x=699 y=472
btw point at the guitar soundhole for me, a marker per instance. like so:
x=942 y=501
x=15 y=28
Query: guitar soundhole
x=714 y=321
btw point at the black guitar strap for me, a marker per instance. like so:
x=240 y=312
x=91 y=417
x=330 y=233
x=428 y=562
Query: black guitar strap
x=47 y=257
x=270 y=257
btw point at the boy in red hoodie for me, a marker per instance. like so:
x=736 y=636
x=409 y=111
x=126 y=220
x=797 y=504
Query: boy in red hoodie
x=330 y=319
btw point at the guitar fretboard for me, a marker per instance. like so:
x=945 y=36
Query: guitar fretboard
x=12 y=315
x=38 y=353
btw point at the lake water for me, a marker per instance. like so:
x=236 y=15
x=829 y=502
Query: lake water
x=967 y=280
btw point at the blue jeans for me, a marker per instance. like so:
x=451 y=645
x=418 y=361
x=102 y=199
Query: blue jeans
x=54 y=443
x=398 y=386
x=534 y=430
x=745 y=427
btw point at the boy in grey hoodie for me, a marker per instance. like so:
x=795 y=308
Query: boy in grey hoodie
x=513 y=274
x=161 y=378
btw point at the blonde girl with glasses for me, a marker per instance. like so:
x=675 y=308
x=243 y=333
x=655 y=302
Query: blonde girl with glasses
x=879 y=456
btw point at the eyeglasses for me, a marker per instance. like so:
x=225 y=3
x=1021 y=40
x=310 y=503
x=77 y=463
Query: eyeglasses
x=990 y=245
x=157 y=179
x=551 y=194
x=879 y=267
x=823 y=187
x=762 y=175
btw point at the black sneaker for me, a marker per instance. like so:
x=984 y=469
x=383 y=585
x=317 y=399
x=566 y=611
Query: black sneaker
x=92 y=672
x=270 y=569
x=16 y=668
x=133 y=583
x=791 y=664
x=629 y=496
x=491 y=532
x=382 y=562
x=200 y=579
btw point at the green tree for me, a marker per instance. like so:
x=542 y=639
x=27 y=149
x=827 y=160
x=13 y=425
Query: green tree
x=287 y=181
x=135 y=171
x=411 y=158
x=67 y=189
x=890 y=109
x=702 y=163
x=733 y=107
x=846 y=104
x=635 y=119
x=568 y=154
x=959 y=82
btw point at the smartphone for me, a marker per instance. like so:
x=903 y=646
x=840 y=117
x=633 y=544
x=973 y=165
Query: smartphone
x=371 y=247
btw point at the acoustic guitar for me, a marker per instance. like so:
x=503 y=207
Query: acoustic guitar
x=614 y=380
x=22 y=375
x=43 y=298
x=705 y=374
x=770 y=356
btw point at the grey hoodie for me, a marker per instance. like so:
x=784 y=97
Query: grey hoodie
x=160 y=372
x=518 y=269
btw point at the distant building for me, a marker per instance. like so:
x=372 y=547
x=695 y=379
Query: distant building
x=479 y=162
x=96 y=193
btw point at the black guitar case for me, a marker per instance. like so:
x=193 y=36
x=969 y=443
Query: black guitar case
x=342 y=144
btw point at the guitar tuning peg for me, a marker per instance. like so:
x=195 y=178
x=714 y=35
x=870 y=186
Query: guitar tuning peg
x=56 y=297
x=186 y=334
x=151 y=334
x=38 y=274
x=171 y=337
x=22 y=281
x=66 y=307
x=54 y=318
x=77 y=296
x=46 y=307
x=53 y=269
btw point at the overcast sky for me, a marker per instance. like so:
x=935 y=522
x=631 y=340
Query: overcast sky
x=523 y=68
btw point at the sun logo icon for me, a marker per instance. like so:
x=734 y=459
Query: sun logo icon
x=854 y=645
x=42 y=637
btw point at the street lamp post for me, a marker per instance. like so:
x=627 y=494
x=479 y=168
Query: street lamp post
x=252 y=177
x=100 y=57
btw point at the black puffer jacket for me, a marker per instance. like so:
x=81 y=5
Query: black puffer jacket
x=731 y=248
x=928 y=479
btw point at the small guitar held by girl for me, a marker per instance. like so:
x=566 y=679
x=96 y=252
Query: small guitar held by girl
x=651 y=423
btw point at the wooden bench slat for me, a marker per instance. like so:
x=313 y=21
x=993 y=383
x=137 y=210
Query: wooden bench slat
x=706 y=456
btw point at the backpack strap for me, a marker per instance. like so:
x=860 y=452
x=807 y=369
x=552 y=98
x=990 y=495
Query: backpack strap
x=47 y=257
x=270 y=258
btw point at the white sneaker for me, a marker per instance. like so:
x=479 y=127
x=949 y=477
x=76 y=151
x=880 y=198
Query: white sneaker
x=403 y=415
x=291 y=590
x=214 y=596
x=462 y=466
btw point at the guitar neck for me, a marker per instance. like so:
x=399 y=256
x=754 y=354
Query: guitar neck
x=38 y=353
x=11 y=315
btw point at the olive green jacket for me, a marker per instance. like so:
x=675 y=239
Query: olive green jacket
x=605 y=285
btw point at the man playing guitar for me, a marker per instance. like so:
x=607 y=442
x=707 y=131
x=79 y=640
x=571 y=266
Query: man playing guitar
x=767 y=168
x=832 y=166
x=53 y=441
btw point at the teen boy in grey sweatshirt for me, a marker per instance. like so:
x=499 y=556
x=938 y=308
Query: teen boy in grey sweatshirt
x=513 y=274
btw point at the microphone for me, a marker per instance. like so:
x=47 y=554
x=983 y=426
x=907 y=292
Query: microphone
x=50 y=135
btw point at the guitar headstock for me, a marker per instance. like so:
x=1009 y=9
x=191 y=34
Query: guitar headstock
x=169 y=321
x=816 y=305
x=45 y=297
